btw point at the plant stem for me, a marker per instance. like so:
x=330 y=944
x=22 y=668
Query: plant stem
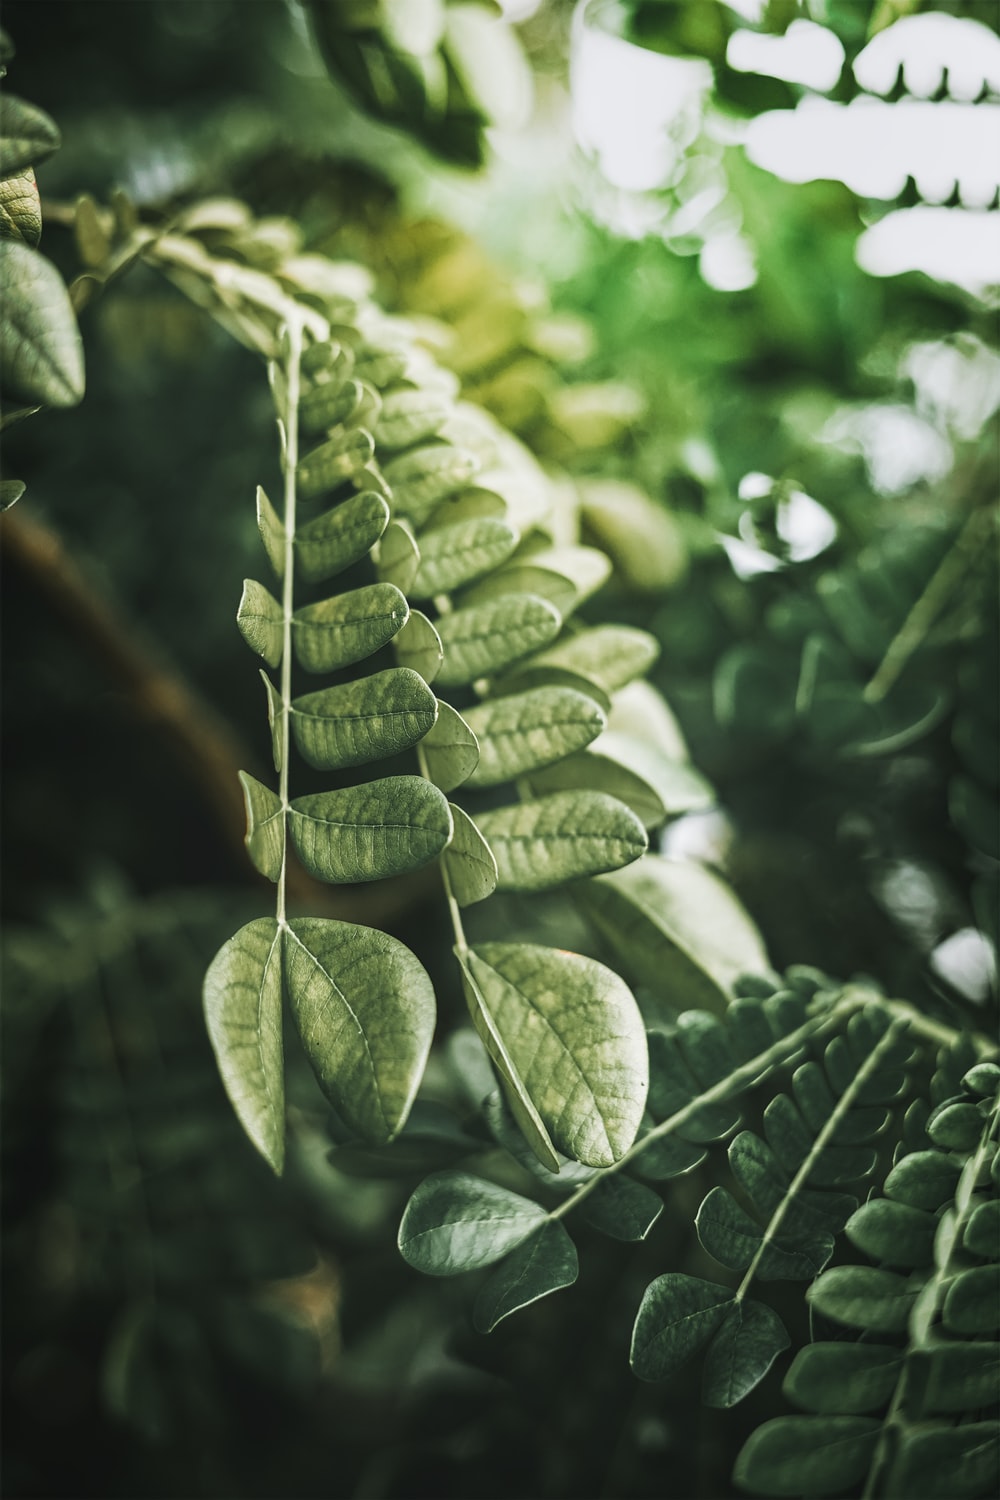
x=454 y=909
x=290 y=459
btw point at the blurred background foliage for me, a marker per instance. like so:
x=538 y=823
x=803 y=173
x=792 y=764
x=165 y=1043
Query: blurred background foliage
x=793 y=466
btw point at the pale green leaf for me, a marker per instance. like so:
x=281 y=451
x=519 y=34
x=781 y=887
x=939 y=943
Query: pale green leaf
x=418 y=646
x=361 y=721
x=864 y=1297
x=410 y=416
x=642 y=537
x=450 y=749
x=636 y=773
x=561 y=837
x=470 y=504
x=41 y=353
x=522 y=578
x=679 y=929
x=342 y=536
x=587 y=568
x=677 y=1317
x=331 y=405
x=480 y=641
x=609 y=656
x=640 y=710
x=849 y=1378
x=807 y=1456
x=452 y=555
x=261 y=621
x=456 y=1222
x=27 y=135
x=398 y=555
x=20 y=208
x=334 y=461
x=741 y=1353
x=328 y=400
x=265 y=836
x=541 y=1264
x=275 y=719
x=345 y=629
x=272 y=532
x=368 y=832
x=469 y=861
x=574 y=1038
x=11 y=491
x=365 y=1010
x=242 y=998
x=529 y=730
x=421 y=478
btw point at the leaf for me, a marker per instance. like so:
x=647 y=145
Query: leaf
x=456 y=1222
x=41 y=353
x=272 y=532
x=621 y=1208
x=418 y=646
x=733 y=1238
x=242 y=999
x=398 y=555
x=679 y=929
x=864 y=1297
x=339 y=631
x=609 y=656
x=91 y=230
x=265 y=836
x=677 y=1316
x=27 y=135
x=20 y=208
x=637 y=774
x=641 y=711
x=849 y=1378
x=894 y=1234
x=275 y=719
x=372 y=831
x=452 y=555
x=923 y=1179
x=11 y=491
x=561 y=837
x=332 y=404
x=362 y=721
x=332 y=542
x=741 y=1353
x=334 y=461
x=972 y=1302
x=758 y=1171
x=480 y=641
x=421 y=478
x=365 y=1010
x=261 y=621
x=587 y=568
x=937 y=1461
x=543 y=1263
x=962 y=1377
x=982 y=1232
x=529 y=730
x=469 y=861
x=409 y=416
x=450 y=749
x=807 y=1455
x=523 y=578
x=573 y=1036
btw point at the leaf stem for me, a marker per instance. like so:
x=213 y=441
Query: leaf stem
x=458 y=928
x=290 y=459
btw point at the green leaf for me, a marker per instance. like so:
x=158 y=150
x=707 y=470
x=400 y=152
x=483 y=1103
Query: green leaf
x=275 y=719
x=937 y=1461
x=372 y=831
x=864 y=1297
x=741 y=1353
x=982 y=1232
x=955 y=1126
x=894 y=1234
x=641 y=711
x=848 y=1378
x=561 y=837
x=573 y=1036
x=332 y=542
x=334 y=461
x=760 y=1174
x=587 y=568
x=541 y=1264
x=265 y=836
x=332 y=402
x=272 y=532
x=679 y=929
x=357 y=722
x=242 y=998
x=20 y=208
x=529 y=730
x=398 y=555
x=472 y=869
x=972 y=1302
x=636 y=773
x=410 y=416
x=962 y=1377
x=522 y=578
x=807 y=1455
x=923 y=1179
x=450 y=749
x=11 y=491
x=455 y=1222
x=483 y=640
x=418 y=646
x=622 y=1209
x=345 y=629
x=733 y=1238
x=421 y=478
x=677 y=1317
x=609 y=656
x=451 y=555
x=365 y=1010
x=27 y=135
x=41 y=353
x=261 y=621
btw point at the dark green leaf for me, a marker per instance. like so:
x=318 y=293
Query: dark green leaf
x=847 y=1378
x=864 y=1297
x=541 y=1264
x=939 y=1462
x=621 y=1208
x=677 y=1316
x=894 y=1234
x=923 y=1179
x=371 y=831
x=741 y=1353
x=242 y=998
x=972 y=1302
x=733 y=1238
x=41 y=353
x=27 y=135
x=962 y=1377
x=807 y=1455
x=11 y=491
x=455 y=1222
x=982 y=1232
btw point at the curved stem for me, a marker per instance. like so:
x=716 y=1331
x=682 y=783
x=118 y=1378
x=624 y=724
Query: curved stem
x=290 y=459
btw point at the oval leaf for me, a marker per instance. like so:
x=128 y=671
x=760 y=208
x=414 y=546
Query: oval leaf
x=561 y=837
x=336 y=632
x=423 y=477
x=41 y=353
x=456 y=1222
x=489 y=637
x=677 y=1316
x=418 y=645
x=265 y=836
x=807 y=1455
x=607 y=655
x=455 y=554
x=27 y=135
x=469 y=861
x=361 y=721
x=261 y=621
x=741 y=1353
x=529 y=730
x=541 y=1264
x=334 y=461
x=332 y=542
x=450 y=749
x=369 y=832
x=398 y=555
x=242 y=999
